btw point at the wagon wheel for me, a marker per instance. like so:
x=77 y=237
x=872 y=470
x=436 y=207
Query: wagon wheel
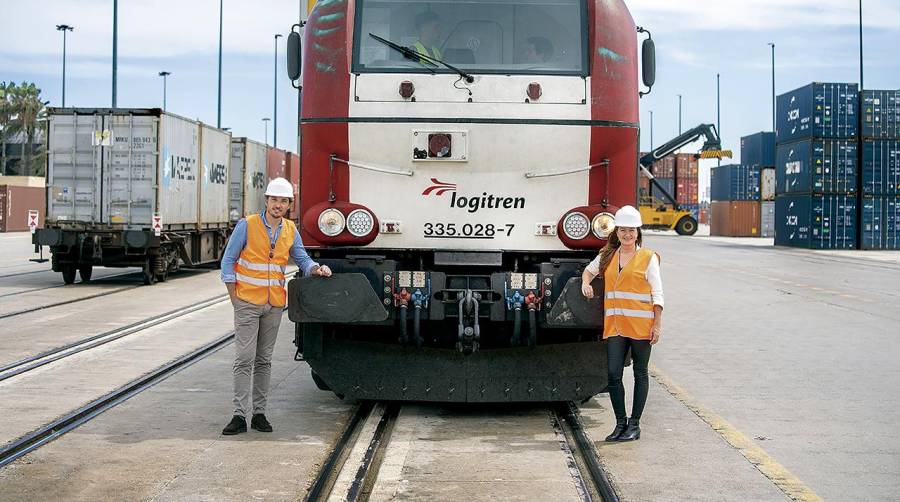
x=68 y=273
x=149 y=273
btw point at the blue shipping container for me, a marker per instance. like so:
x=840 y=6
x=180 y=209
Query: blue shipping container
x=881 y=114
x=816 y=221
x=734 y=182
x=758 y=150
x=668 y=185
x=693 y=208
x=818 y=111
x=817 y=166
x=881 y=167
x=880 y=222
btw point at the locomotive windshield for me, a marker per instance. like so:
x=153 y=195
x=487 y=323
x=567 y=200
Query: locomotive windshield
x=488 y=36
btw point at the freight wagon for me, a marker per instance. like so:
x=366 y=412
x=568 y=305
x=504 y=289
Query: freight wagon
x=134 y=188
x=458 y=200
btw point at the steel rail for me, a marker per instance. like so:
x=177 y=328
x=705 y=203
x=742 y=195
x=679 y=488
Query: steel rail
x=568 y=418
x=74 y=419
x=67 y=302
x=29 y=363
x=92 y=281
x=327 y=475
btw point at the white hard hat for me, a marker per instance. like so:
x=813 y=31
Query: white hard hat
x=628 y=216
x=280 y=187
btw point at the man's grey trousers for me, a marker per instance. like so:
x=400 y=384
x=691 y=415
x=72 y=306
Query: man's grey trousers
x=255 y=331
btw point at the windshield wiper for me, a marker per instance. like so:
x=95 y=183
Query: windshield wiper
x=422 y=58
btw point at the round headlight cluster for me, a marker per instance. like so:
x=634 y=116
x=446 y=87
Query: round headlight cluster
x=331 y=222
x=360 y=223
x=603 y=225
x=576 y=226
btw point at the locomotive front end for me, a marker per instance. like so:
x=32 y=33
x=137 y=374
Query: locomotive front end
x=461 y=164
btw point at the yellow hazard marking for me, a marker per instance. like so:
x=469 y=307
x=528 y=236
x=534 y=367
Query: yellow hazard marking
x=786 y=481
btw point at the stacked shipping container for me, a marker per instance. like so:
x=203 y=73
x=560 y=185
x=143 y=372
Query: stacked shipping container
x=880 y=197
x=817 y=169
x=739 y=202
x=679 y=175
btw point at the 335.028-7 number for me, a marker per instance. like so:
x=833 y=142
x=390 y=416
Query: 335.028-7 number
x=471 y=230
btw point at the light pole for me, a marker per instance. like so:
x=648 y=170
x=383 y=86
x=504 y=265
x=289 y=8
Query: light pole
x=219 y=114
x=651 y=130
x=679 y=114
x=164 y=74
x=266 y=122
x=719 y=108
x=772 y=45
x=115 y=54
x=275 y=106
x=64 y=28
x=861 y=81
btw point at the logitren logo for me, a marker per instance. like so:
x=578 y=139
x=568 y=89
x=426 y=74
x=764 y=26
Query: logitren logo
x=472 y=203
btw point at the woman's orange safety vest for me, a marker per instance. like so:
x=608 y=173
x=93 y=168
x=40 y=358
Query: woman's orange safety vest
x=628 y=304
x=260 y=268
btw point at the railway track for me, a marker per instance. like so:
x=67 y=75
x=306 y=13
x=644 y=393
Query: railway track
x=47 y=357
x=67 y=302
x=92 y=281
x=351 y=469
x=72 y=420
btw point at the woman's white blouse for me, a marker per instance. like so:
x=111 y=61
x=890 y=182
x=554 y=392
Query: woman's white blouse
x=652 y=275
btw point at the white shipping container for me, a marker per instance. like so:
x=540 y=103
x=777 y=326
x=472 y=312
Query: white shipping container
x=767 y=183
x=767 y=219
x=120 y=167
x=248 y=177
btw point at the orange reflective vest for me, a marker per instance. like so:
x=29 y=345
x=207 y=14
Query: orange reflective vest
x=627 y=300
x=260 y=268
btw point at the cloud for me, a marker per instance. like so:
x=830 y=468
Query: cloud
x=680 y=15
x=155 y=28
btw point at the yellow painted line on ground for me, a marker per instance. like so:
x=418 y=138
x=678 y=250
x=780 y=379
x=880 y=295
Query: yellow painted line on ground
x=786 y=481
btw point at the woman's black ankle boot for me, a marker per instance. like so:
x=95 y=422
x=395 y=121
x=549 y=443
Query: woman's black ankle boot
x=621 y=426
x=632 y=432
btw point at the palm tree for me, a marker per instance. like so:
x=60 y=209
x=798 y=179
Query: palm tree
x=20 y=108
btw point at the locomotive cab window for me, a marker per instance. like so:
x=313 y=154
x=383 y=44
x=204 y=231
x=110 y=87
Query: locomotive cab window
x=543 y=37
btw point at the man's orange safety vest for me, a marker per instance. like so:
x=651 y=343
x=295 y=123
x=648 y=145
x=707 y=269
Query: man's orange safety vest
x=260 y=268
x=627 y=302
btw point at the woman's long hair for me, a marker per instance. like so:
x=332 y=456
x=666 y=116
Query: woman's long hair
x=612 y=245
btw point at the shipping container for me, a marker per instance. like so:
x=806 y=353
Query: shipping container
x=892 y=223
x=667 y=184
x=881 y=167
x=664 y=167
x=694 y=209
x=880 y=222
x=15 y=204
x=734 y=182
x=687 y=191
x=758 y=150
x=248 y=177
x=120 y=167
x=767 y=184
x=277 y=164
x=703 y=215
x=734 y=218
x=881 y=114
x=687 y=166
x=767 y=219
x=818 y=111
x=134 y=187
x=816 y=221
x=817 y=166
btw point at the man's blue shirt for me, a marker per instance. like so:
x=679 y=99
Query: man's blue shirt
x=239 y=239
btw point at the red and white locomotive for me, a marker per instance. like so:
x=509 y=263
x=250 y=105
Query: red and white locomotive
x=461 y=162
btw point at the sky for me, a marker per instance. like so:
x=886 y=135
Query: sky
x=816 y=40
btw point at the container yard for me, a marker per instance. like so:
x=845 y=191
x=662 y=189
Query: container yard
x=455 y=251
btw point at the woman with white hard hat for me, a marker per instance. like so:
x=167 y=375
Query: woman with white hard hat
x=633 y=304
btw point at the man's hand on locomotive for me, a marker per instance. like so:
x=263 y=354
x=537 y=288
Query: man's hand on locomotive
x=322 y=271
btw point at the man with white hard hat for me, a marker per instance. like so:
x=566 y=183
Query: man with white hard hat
x=253 y=270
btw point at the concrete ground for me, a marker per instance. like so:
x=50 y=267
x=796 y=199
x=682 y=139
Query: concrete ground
x=775 y=378
x=166 y=443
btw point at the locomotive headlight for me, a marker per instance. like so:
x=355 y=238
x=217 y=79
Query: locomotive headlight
x=576 y=226
x=331 y=222
x=603 y=224
x=360 y=223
